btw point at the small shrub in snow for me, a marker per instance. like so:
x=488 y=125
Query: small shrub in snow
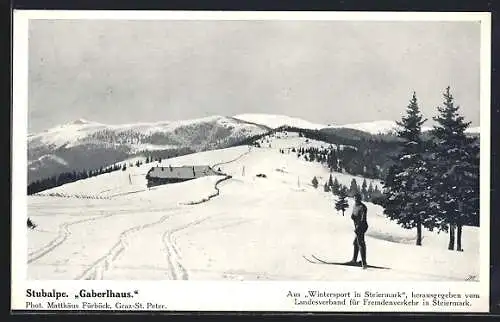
x=315 y=182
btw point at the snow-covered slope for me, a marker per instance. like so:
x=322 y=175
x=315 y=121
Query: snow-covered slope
x=255 y=229
x=45 y=161
x=289 y=140
x=275 y=121
x=86 y=145
x=133 y=180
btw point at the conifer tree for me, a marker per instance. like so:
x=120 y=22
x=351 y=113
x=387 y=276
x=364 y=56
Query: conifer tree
x=406 y=186
x=455 y=169
x=330 y=181
x=370 y=191
x=326 y=187
x=354 y=188
x=341 y=203
x=315 y=182
x=470 y=192
x=335 y=187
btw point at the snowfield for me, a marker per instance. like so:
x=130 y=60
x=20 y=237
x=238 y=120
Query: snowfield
x=288 y=140
x=113 y=227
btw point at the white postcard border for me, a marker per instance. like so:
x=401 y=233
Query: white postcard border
x=236 y=296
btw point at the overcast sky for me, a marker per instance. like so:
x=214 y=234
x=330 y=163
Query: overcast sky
x=323 y=71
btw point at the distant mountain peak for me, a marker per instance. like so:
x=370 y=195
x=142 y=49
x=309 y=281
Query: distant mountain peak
x=275 y=120
x=374 y=127
x=75 y=123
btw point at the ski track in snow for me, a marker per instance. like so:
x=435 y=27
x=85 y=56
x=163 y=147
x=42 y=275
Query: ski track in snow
x=99 y=267
x=176 y=269
x=63 y=235
x=233 y=160
x=216 y=186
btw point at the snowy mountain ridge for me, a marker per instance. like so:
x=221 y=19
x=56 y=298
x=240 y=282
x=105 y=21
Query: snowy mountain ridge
x=77 y=131
x=275 y=121
x=373 y=127
x=73 y=132
x=387 y=127
x=84 y=144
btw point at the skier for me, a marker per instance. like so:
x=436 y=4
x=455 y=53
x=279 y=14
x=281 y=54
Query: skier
x=360 y=226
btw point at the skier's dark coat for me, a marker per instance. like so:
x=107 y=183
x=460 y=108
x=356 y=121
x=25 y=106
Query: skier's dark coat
x=359 y=217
